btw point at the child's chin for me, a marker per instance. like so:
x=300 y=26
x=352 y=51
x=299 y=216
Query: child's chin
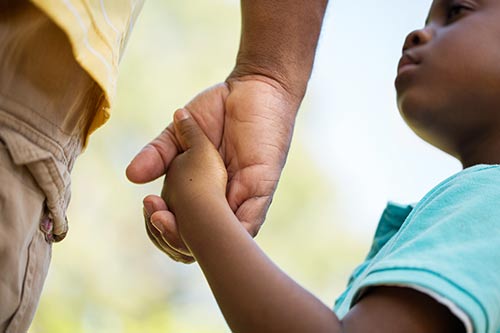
x=413 y=111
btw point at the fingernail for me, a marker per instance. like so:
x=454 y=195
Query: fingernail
x=158 y=226
x=148 y=209
x=181 y=114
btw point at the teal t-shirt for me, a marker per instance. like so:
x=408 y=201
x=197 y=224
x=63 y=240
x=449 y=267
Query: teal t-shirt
x=447 y=246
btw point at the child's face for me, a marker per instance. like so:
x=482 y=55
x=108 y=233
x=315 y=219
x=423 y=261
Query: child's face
x=449 y=94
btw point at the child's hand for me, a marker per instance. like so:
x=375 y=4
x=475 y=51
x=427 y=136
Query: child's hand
x=196 y=181
x=198 y=176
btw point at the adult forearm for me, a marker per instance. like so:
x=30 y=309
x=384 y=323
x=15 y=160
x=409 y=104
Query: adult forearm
x=279 y=40
x=253 y=294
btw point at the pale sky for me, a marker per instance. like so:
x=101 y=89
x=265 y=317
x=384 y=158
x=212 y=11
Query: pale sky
x=351 y=121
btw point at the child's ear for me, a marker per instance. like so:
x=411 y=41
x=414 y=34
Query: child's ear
x=187 y=131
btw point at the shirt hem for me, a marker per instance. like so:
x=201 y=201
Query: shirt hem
x=83 y=36
x=435 y=284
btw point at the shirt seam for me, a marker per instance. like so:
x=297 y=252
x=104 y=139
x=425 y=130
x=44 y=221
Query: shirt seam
x=428 y=271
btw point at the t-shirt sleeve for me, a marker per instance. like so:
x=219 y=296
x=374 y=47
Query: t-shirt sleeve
x=449 y=248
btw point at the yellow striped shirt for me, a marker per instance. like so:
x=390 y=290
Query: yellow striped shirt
x=98 y=31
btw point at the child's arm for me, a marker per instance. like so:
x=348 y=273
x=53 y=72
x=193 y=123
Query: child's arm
x=253 y=294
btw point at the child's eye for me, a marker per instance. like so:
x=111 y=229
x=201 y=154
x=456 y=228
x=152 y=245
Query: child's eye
x=455 y=12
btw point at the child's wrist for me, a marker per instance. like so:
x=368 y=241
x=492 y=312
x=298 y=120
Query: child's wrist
x=201 y=226
x=198 y=210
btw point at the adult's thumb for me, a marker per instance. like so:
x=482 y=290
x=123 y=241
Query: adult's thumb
x=187 y=130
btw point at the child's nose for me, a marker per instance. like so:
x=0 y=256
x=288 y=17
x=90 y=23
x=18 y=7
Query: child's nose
x=418 y=37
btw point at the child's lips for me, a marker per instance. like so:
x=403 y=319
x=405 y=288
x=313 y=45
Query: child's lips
x=407 y=62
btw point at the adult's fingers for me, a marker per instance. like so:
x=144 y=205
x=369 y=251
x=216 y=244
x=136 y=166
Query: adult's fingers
x=152 y=161
x=167 y=239
x=164 y=222
x=153 y=203
x=252 y=213
x=170 y=233
x=157 y=240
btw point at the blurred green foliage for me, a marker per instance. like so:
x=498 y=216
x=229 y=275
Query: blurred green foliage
x=106 y=276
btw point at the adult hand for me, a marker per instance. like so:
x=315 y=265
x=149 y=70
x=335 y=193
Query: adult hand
x=250 y=121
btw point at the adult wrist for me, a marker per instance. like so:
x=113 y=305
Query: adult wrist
x=291 y=81
x=278 y=40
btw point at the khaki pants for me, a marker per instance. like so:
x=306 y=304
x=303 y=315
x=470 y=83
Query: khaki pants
x=46 y=104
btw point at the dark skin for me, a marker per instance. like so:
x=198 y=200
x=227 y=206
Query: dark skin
x=261 y=95
x=447 y=93
x=253 y=294
x=450 y=98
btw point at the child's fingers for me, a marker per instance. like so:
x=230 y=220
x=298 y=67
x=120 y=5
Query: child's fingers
x=187 y=130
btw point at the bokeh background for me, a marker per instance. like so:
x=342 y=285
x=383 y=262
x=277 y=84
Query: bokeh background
x=351 y=153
